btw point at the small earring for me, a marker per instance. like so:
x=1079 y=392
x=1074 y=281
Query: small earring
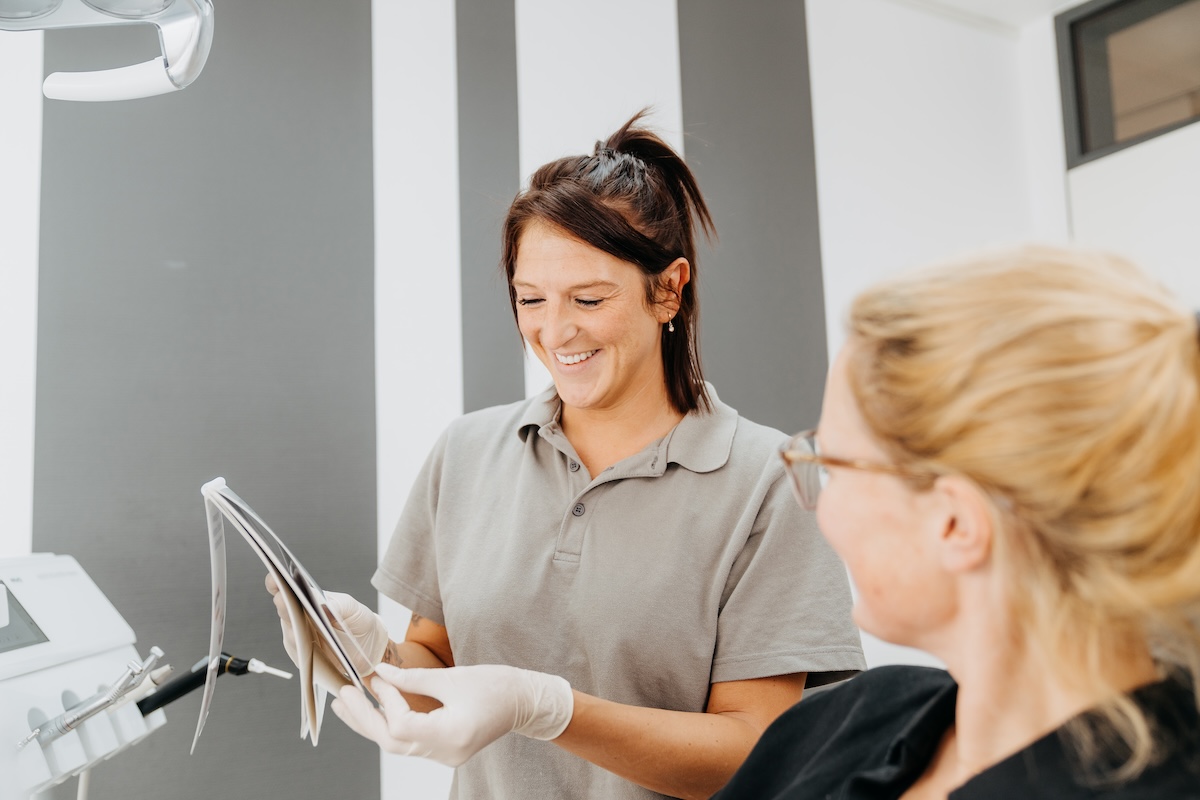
x=671 y=325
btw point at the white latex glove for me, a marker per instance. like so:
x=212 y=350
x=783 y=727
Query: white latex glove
x=367 y=638
x=479 y=705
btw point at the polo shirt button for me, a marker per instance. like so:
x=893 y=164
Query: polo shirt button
x=578 y=510
x=573 y=466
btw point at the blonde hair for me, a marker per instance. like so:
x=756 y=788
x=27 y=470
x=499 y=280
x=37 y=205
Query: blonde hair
x=1066 y=385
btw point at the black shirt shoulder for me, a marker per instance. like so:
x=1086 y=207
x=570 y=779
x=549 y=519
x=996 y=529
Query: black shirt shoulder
x=870 y=738
x=814 y=746
x=1052 y=768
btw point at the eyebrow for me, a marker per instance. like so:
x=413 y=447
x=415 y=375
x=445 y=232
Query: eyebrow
x=577 y=287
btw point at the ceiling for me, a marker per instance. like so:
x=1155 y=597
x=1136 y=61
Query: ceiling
x=1008 y=13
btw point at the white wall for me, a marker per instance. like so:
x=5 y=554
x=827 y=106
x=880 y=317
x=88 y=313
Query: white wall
x=919 y=141
x=20 y=200
x=933 y=136
x=1144 y=202
x=579 y=78
x=1042 y=135
x=418 y=331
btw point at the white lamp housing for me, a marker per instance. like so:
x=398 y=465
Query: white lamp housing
x=185 y=30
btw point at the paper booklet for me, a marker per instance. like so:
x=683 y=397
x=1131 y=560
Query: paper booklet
x=318 y=628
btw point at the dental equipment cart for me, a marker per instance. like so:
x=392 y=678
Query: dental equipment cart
x=69 y=676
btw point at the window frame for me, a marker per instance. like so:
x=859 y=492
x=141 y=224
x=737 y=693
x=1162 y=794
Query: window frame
x=1120 y=14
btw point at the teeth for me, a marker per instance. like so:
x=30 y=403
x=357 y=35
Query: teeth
x=575 y=359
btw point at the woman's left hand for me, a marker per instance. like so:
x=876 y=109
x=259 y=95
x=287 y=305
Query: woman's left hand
x=479 y=705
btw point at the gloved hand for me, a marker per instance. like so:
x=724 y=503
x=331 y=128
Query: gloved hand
x=479 y=705
x=366 y=638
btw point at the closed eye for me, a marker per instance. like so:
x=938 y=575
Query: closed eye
x=528 y=301
x=588 y=303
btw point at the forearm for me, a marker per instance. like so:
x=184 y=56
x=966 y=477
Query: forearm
x=413 y=654
x=677 y=753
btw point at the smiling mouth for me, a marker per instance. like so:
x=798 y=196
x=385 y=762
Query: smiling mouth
x=576 y=358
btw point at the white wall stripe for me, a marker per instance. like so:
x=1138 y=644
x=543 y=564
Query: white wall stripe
x=20 y=202
x=1042 y=129
x=418 y=330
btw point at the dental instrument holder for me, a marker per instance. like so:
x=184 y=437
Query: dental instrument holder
x=66 y=643
x=102 y=700
x=185 y=31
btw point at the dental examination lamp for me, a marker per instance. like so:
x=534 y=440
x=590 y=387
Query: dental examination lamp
x=185 y=29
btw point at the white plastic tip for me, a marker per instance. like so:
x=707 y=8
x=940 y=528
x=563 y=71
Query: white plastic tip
x=257 y=666
x=215 y=485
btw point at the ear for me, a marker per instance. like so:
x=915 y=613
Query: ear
x=671 y=283
x=967 y=529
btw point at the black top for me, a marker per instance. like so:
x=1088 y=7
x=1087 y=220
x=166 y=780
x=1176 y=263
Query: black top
x=873 y=736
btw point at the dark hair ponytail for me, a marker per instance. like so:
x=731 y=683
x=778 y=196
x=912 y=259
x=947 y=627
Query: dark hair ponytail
x=635 y=199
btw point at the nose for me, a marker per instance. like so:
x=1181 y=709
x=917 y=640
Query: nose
x=558 y=326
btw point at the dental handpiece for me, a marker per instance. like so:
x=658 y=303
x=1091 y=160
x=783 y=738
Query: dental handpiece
x=73 y=717
x=194 y=679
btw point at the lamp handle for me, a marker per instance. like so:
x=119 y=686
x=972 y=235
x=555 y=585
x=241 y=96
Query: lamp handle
x=185 y=31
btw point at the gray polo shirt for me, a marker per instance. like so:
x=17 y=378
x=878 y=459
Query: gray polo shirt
x=686 y=564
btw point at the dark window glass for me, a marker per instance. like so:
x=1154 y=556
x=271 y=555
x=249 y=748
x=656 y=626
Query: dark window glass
x=1131 y=71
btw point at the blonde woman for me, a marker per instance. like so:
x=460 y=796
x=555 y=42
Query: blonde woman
x=1026 y=430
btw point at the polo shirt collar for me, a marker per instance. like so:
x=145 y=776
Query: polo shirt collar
x=701 y=442
x=540 y=410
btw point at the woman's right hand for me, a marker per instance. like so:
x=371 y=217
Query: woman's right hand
x=480 y=704
x=364 y=626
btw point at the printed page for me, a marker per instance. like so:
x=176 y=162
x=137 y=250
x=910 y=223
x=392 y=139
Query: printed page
x=318 y=630
x=216 y=635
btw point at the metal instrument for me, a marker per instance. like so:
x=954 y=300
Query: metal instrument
x=70 y=719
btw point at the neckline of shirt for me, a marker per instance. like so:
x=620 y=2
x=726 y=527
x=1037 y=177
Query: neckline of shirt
x=701 y=442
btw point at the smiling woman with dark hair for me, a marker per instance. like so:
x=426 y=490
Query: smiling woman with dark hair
x=615 y=564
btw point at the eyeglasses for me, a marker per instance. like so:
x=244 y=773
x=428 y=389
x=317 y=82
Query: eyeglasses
x=809 y=469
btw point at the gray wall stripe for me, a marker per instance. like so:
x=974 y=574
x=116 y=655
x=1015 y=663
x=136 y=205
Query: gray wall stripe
x=489 y=177
x=747 y=115
x=205 y=308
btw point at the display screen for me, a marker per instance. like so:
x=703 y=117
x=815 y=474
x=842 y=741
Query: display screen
x=17 y=628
